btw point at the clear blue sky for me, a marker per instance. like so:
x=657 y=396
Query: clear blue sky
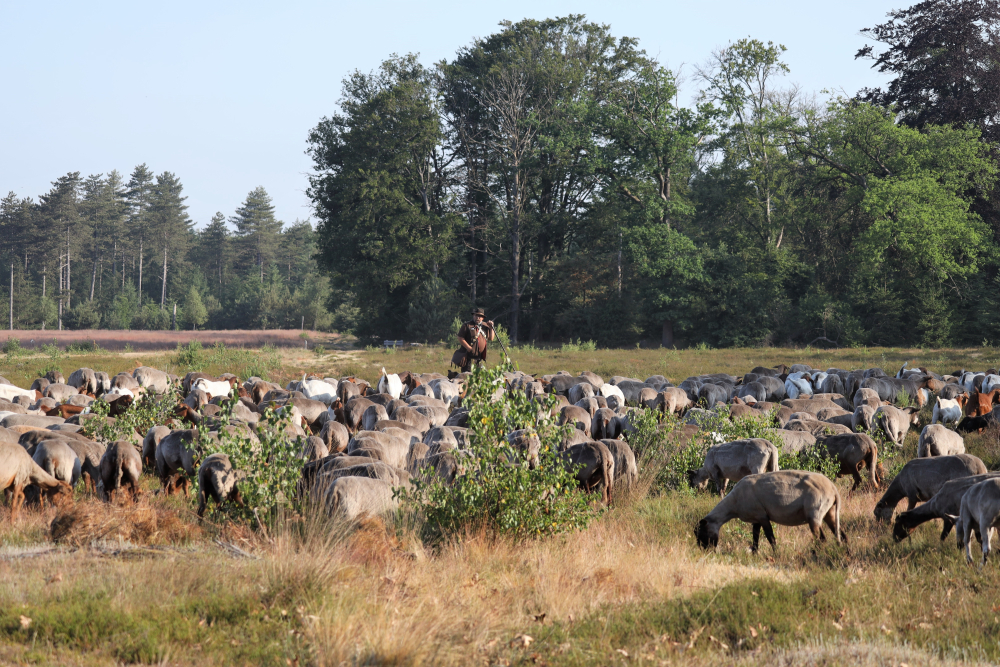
x=223 y=94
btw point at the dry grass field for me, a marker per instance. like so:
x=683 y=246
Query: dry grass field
x=149 y=584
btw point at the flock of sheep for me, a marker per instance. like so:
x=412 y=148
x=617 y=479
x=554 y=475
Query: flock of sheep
x=360 y=442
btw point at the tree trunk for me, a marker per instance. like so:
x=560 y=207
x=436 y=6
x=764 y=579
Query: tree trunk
x=69 y=275
x=93 y=280
x=515 y=269
x=667 y=339
x=140 y=269
x=43 y=300
x=163 y=292
x=619 y=262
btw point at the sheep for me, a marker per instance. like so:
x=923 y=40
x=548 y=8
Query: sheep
x=9 y=392
x=58 y=459
x=895 y=422
x=319 y=390
x=939 y=440
x=121 y=466
x=982 y=403
x=948 y=410
x=921 y=479
x=797 y=386
x=593 y=464
x=151 y=379
x=213 y=389
x=605 y=424
x=578 y=417
x=176 y=453
x=852 y=450
x=411 y=416
x=84 y=380
x=626 y=472
x=89 y=453
x=352 y=498
x=371 y=416
x=980 y=513
x=866 y=396
x=580 y=391
x=390 y=384
x=217 y=480
x=863 y=418
x=380 y=446
x=990 y=382
x=787 y=497
x=946 y=504
x=17 y=471
x=435 y=414
x=609 y=390
x=734 y=461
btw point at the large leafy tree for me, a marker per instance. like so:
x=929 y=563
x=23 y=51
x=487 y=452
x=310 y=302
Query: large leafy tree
x=379 y=189
x=944 y=57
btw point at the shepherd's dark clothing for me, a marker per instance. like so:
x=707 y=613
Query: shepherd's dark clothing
x=476 y=335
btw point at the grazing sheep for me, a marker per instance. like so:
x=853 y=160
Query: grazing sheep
x=594 y=465
x=335 y=436
x=948 y=410
x=605 y=425
x=17 y=471
x=212 y=389
x=980 y=514
x=895 y=422
x=314 y=449
x=578 y=417
x=732 y=461
x=946 y=504
x=352 y=498
x=787 y=497
x=371 y=416
x=580 y=391
x=921 y=479
x=527 y=442
x=151 y=379
x=121 y=466
x=176 y=454
x=866 y=396
x=863 y=418
x=380 y=446
x=411 y=416
x=852 y=450
x=939 y=440
x=58 y=459
x=217 y=480
x=609 y=390
x=626 y=472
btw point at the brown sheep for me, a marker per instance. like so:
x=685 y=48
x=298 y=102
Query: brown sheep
x=17 y=471
x=121 y=466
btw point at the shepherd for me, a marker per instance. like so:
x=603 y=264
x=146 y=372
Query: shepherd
x=474 y=337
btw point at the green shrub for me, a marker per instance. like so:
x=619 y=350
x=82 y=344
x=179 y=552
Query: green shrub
x=319 y=350
x=190 y=357
x=52 y=350
x=499 y=491
x=268 y=469
x=84 y=347
x=147 y=411
x=246 y=363
x=12 y=348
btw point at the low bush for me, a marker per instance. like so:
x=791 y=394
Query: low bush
x=84 y=347
x=190 y=357
x=12 y=348
x=499 y=491
x=148 y=410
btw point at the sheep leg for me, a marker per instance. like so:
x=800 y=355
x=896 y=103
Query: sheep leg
x=911 y=502
x=831 y=520
x=756 y=537
x=769 y=534
x=986 y=545
x=946 y=529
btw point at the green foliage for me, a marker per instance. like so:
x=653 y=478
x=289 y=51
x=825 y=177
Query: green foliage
x=579 y=346
x=84 y=347
x=319 y=350
x=432 y=310
x=190 y=357
x=499 y=491
x=147 y=410
x=193 y=311
x=83 y=316
x=52 y=350
x=246 y=363
x=12 y=348
x=269 y=468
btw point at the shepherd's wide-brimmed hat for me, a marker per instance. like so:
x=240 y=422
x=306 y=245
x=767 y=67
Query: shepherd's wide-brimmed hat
x=478 y=311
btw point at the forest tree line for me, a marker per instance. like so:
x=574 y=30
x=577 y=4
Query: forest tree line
x=105 y=251
x=549 y=173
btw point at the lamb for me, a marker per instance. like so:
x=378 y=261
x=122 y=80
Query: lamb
x=17 y=471
x=787 y=497
x=945 y=504
x=939 y=440
x=121 y=466
x=217 y=480
x=921 y=478
x=58 y=459
x=980 y=514
x=948 y=410
x=734 y=461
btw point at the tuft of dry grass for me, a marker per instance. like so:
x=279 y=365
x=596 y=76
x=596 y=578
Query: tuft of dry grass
x=141 y=523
